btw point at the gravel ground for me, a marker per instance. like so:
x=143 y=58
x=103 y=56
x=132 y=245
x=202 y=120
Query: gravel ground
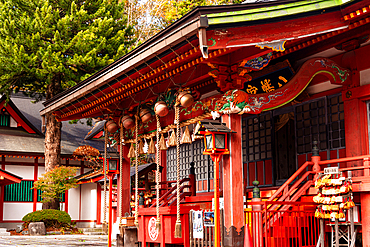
x=56 y=240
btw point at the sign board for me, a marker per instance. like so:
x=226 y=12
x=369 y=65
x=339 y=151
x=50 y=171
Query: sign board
x=197 y=224
x=209 y=218
x=221 y=201
x=331 y=170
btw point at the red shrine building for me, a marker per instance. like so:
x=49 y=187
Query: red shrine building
x=288 y=86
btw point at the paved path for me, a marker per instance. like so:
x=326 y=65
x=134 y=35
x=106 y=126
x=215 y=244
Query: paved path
x=55 y=240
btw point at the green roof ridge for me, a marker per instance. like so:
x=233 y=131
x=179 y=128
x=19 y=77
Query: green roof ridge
x=272 y=11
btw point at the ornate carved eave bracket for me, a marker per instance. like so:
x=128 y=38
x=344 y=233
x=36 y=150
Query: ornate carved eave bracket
x=234 y=76
x=238 y=101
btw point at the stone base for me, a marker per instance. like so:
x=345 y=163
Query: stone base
x=37 y=228
x=232 y=238
x=128 y=238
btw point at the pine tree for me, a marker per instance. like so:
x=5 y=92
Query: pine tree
x=47 y=46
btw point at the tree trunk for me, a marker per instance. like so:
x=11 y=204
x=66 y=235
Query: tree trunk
x=52 y=140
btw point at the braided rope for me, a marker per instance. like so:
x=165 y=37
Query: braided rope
x=105 y=173
x=121 y=175
x=136 y=171
x=172 y=126
x=158 y=160
x=177 y=122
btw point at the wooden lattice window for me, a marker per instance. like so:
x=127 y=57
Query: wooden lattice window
x=191 y=153
x=336 y=122
x=257 y=144
x=311 y=125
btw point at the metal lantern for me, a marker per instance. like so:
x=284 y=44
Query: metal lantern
x=215 y=141
x=161 y=108
x=112 y=165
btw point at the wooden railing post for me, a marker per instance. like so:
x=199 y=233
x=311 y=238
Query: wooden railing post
x=315 y=159
x=367 y=166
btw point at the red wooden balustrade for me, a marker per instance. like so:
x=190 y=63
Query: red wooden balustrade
x=285 y=222
x=296 y=226
x=169 y=197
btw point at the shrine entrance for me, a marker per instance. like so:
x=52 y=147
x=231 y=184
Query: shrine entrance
x=276 y=143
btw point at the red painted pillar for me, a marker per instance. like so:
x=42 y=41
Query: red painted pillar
x=35 y=174
x=2 y=191
x=233 y=184
x=98 y=203
x=365 y=217
x=126 y=181
x=355 y=115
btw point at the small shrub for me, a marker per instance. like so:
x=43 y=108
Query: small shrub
x=50 y=217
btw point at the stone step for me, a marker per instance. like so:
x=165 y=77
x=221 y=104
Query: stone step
x=92 y=231
x=3 y=232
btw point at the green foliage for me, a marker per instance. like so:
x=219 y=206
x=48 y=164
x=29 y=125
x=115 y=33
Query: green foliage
x=47 y=46
x=56 y=182
x=50 y=217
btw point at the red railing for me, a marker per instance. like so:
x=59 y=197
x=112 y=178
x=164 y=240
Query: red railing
x=169 y=197
x=296 y=226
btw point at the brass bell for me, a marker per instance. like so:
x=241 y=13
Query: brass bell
x=127 y=122
x=185 y=98
x=161 y=108
x=111 y=126
x=145 y=115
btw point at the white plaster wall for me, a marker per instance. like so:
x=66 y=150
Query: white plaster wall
x=74 y=203
x=365 y=77
x=88 y=201
x=16 y=211
x=41 y=170
x=26 y=172
x=38 y=206
x=102 y=205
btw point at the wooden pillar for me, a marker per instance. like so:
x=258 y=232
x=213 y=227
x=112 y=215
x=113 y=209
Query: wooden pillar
x=355 y=115
x=233 y=184
x=365 y=217
x=35 y=174
x=126 y=181
x=2 y=191
x=164 y=171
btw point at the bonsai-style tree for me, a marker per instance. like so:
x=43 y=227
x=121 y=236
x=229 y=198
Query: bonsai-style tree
x=47 y=46
x=55 y=182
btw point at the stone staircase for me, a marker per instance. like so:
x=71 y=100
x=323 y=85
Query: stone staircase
x=3 y=232
x=92 y=231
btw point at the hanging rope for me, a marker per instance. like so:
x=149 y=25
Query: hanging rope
x=120 y=173
x=158 y=160
x=178 y=230
x=105 y=175
x=136 y=171
x=171 y=126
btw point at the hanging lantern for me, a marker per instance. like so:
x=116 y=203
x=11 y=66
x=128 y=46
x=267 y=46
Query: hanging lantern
x=127 y=122
x=112 y=127
x=161 y=108
x=151 y=148
x=162 y=144
x=186 y=138
x=185 y=98
x=145 y=115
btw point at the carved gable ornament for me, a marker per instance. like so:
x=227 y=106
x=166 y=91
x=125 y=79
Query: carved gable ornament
x=280 y=93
